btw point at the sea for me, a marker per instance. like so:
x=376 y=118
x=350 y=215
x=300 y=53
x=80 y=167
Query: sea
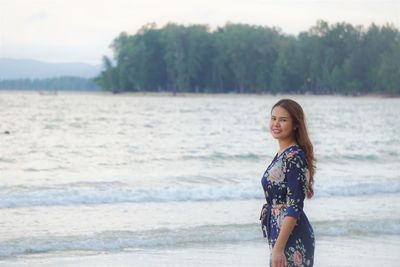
x=100 y=179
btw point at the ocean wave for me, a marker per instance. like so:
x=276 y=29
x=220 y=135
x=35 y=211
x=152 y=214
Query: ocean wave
x=122 y=240
x=110 y=192
x=7 y=160
x=119 y=240
x=225 y=156
x=357 y=228
x=351 y=157
x=337 y=157
x=357 y=189
x=117 y=192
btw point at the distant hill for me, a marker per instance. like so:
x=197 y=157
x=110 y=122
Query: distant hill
x=34 y=69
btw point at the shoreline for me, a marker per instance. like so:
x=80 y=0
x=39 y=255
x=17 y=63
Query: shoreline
x=197 y=95
x=353 y=251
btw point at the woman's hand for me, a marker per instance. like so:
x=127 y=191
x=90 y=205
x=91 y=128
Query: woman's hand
x=278 y=258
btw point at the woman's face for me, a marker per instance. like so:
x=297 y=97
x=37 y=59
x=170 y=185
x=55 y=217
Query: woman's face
x=281 y=124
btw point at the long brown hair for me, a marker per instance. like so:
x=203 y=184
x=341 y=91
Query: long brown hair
x=301 y=137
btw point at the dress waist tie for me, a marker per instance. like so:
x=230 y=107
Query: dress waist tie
x=265 y=216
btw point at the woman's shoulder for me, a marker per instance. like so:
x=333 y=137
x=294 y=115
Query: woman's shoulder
x=295 y=153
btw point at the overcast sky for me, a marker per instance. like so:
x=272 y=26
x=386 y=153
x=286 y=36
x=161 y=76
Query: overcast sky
x=82 y=30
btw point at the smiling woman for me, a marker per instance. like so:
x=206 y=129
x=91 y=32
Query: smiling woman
x=281 y=124
x=286 y=183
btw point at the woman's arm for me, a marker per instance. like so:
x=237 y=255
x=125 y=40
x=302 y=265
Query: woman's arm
x=278 y=252
x=296 y=187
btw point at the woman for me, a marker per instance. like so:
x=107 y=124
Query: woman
x=286 y=183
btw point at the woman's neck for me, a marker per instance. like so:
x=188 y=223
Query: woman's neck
x=283 y=144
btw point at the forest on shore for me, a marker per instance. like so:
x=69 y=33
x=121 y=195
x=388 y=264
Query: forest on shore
x=327 y=59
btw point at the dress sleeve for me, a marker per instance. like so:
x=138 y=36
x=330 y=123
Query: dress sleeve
x=295 y=176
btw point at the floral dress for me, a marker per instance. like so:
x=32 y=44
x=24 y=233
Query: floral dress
x=285 y=186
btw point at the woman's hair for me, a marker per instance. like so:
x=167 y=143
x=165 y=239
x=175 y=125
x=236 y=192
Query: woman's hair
x=301 y=137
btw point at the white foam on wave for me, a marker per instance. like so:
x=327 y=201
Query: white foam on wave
x=117 y=192
x=357 y=189
x=355 y=227
x=105 y=193
x=120 y=240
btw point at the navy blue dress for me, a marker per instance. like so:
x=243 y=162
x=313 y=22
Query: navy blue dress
x=285 y=186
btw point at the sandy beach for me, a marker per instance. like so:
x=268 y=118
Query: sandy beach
x=330 y=252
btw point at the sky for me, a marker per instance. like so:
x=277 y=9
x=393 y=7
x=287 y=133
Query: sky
x=82 y=30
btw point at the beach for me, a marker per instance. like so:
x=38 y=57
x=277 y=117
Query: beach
x=331 y=251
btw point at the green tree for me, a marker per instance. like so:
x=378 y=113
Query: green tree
x=338 y=58
x=107 y=80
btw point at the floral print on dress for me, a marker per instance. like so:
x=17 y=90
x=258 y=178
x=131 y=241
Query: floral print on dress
x=276 y=174
x=297 y=255
x=278 y=214
x=285 y=187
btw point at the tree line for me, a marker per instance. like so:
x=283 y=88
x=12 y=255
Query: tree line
x=339 y=58
x=58 y=83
